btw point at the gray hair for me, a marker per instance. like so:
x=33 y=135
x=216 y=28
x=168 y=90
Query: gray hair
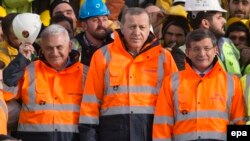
x=133 y=11
x=55 y=29
x=198 y=35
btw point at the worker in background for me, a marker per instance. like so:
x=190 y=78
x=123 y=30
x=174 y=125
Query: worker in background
x=239 y=8
x=93 y=17
x=199 y=102
x=175 y=30
x=123 y=83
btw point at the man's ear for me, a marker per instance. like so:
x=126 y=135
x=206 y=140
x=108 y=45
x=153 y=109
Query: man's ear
x=83 y=25
x=70 y=46
x=205 y=23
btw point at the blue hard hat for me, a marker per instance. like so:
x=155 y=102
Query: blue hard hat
x=92 y=8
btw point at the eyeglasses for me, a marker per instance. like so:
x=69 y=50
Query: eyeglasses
x=199 y=49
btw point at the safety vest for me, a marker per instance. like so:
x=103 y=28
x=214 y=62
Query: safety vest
x=229 y=56
x=246 y=69
x=245 y=80
x=3 y=115
x=50 y=102
x=191 y=107
x=118 y=84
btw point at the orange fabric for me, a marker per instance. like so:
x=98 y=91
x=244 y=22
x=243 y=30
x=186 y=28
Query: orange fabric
x=3 y=115
x=52 y=87
x=124 y=71
x=210 y=91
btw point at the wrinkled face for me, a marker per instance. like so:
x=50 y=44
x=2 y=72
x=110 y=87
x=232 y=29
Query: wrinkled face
x=135 y=30
x=216 y=25
x=97 y=27
x=201 y=53
x=239 y=8
x=67 y=11
x=174 y=36
x=238 y=38
x=55 y=49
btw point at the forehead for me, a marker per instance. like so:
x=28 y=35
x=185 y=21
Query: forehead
x=202 y=42
x=62 y=7
x=152 y=8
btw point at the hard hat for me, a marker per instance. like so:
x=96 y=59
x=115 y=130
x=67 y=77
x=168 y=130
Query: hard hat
x=82 y=1
x=177 y=10
x=3 y=12
x=203 y=5
x=26 y=27
x=16 y=3
x=91 y=8
x=175 y=1
x=45 y=17
x=236 y=19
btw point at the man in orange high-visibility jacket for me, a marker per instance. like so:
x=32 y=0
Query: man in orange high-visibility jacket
x=123 y=83
x=199 y=102
x=50 y=90
x=3 y=115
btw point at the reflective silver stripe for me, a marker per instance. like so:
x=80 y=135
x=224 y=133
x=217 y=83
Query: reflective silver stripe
x=107 y=57
x=154 y=139
x=164 y=120
x=132 y=89
x=230 y=94
x=49 y=106
x=238 y=119
x=128 y=110
x=84 y=76
x=201 y=135
x=12 y=90
x=175 y=84
x=160 y=77
x=48 y=128
x=89 y=98
x=202 y=114
x=32 y=83
x=247 y=93
x=88 y=120
x=4 y=107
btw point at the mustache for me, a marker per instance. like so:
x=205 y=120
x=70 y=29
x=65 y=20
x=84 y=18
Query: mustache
x=239 y=12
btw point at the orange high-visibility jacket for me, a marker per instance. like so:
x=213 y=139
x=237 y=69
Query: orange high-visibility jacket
x=3 y=115
x=190 y=107
x=118 y=86
x=50 y=102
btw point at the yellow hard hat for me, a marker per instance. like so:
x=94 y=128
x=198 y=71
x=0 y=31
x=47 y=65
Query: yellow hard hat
x=82 y=1
x=177 y=10
x=232 y=20
x=45 y=17
x=3 y=12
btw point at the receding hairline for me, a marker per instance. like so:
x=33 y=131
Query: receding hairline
x=53 y=30
x=133 y=11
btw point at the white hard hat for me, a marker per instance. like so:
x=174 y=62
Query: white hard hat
x=26 y=27
x=203 y=5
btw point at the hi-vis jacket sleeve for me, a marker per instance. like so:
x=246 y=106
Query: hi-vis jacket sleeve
x=3 y=115
x=164 y=114
x=238 y=106
x=93 y=92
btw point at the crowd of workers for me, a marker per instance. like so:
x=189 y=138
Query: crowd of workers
x=124 y=70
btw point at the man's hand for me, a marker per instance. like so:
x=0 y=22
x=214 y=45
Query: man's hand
x=26 y=49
